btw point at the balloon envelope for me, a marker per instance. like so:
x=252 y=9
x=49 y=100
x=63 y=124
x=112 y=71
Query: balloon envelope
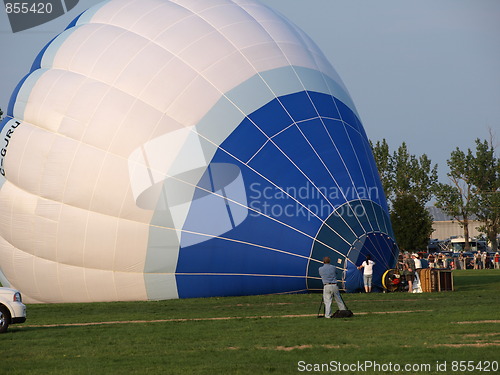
x=170 y=149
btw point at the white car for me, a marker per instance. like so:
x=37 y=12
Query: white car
x=12 y=309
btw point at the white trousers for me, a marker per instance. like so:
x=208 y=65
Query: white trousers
x=331 y=291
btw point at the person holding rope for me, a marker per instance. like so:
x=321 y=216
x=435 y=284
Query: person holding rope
x=330 y=288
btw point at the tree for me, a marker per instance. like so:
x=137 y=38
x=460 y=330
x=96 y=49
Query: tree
x=485 y=175
x=408 y=182
x=403 y=173
x=474 y=190
x=413 y=176
x=383 y=162
x=412 y=223
x=457 y=199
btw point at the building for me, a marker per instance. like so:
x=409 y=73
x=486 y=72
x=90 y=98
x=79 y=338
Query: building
x=445 y=226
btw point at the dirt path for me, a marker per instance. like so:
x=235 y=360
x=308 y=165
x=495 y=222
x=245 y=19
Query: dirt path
x=200 y=319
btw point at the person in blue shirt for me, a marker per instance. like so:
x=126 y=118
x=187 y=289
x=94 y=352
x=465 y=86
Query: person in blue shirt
x=330 y=288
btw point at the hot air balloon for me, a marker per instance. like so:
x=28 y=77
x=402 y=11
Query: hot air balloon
x=166 y=149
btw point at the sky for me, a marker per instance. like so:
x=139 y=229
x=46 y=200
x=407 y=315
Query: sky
x=423 y=72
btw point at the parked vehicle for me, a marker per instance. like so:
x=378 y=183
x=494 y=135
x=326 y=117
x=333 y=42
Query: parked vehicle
x=12 y=309
x=436 y=245
x=458 y=245
x=433 y=246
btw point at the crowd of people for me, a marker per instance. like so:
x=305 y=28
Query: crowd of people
x=477 y=260
x=462 y=261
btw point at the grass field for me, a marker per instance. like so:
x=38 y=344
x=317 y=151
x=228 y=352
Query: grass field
x=280 y=334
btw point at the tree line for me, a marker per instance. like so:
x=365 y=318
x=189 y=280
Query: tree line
x=410 y=182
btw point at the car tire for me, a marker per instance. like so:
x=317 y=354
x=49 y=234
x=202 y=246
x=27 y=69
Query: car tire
x=4 y=319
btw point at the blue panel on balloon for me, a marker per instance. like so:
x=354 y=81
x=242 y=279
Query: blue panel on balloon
x=325 y=105
x=271 y=119
x=216 y=258
x=300 y=106
x=255 y=139
x=193 y=286
x=288 y=187
x=297 y=196
x=347 y=115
